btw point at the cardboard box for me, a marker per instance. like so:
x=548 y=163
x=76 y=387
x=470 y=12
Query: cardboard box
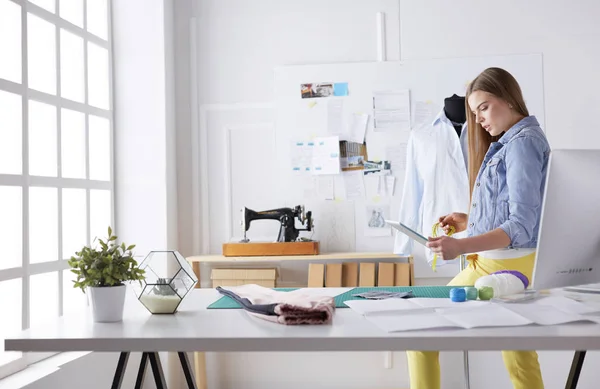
x=236 y=277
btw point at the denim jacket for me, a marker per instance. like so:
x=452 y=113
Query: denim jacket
x=510 y=185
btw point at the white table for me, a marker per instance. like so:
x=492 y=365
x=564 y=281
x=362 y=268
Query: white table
x=196 y=329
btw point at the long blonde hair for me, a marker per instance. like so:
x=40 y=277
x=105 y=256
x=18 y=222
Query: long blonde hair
x=503 y=85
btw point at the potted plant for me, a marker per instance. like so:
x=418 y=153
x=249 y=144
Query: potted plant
x=104 y=269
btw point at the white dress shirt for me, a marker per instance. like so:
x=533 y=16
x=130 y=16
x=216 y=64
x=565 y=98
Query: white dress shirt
x=436 y=181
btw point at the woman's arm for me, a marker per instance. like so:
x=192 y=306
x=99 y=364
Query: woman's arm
x=450 y=248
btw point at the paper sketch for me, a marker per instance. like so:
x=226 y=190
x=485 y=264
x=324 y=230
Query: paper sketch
x=375 y=218
x=335 y=227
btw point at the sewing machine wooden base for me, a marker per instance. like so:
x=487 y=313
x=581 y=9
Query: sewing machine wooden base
x=259 y=249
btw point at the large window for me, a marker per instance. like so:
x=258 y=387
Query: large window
x=56 y=180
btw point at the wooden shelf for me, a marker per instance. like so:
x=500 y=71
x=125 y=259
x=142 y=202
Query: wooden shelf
x=274 y=258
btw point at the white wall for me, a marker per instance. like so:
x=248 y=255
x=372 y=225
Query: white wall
x=240 y=42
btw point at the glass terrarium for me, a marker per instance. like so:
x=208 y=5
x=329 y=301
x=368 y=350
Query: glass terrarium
x=169 y=278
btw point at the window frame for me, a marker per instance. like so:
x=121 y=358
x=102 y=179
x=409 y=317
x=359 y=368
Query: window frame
x=25 y=181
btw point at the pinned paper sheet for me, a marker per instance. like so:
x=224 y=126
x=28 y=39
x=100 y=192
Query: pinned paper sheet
x=301 y=156
x=326 y=155
x=357 y=127
x=335 y=116
x=376 y=214
x=391 y=110
x=424 y=114
x=325 y=188
x=354 y=185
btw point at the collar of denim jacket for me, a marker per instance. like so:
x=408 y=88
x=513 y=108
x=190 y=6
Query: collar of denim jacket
x=526 y=122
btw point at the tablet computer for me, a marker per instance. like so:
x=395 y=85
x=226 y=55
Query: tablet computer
x=408 y=231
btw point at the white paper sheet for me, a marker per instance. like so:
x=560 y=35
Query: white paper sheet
x=301 y=156
x=391 y=110
x=357 y=128
x=335 y=117
x=424 y=114
x=353 y=183
x=375 y=216
x=325 y=188
x=326 y=155
x=419 y=313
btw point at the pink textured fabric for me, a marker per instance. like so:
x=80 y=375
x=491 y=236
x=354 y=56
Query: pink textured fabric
x=294 y=307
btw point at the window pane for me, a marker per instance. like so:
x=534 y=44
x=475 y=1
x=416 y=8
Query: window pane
x=72 y=75
x=73 y=299
x=97 y=18
x=100 y=213
x=72 y=11
x=43 y=224
x=10 y=41
x=11 y=227
x=98 y=87
x=11 y=309
x=11 y=125
x=43 y=289
x=99 y=148
x=48 y=5
x=41 y=51
x=72 y=142
x=42 y=139
x=74 y=221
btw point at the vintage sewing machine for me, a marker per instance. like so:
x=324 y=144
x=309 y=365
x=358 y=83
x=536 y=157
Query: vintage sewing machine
x=287 y=242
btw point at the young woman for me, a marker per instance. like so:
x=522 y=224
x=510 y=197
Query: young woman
x=508 y=159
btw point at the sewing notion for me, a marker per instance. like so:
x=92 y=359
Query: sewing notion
x=288 y=240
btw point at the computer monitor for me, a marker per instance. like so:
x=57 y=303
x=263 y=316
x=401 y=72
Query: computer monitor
x=568 y=252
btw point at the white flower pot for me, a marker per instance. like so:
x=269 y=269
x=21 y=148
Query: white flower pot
x=108 y=303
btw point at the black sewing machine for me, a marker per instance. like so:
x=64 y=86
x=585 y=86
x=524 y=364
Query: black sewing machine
x=286 y=216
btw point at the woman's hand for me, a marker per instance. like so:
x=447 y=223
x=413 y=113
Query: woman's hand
x=446 y=247
x=457 y=220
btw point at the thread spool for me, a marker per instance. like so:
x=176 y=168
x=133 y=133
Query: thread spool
x=485 y=293
x=458 y=295
x=471 y=293
x=504 y=282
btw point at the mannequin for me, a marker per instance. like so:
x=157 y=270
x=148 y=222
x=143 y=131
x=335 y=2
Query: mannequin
x=454 y=108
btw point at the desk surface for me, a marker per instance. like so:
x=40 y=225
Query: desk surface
x=319 y=257
x=195 y=328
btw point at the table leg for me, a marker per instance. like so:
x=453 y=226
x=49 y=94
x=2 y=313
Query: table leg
x=159 y=377
x=185 y=365
x=120 y=371
x=200 y=370
x=139 y=381
x=575 y=369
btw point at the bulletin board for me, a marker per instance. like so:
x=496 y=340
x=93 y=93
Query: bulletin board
x=343 y=218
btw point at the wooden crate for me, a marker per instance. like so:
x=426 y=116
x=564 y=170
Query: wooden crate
x=236 y=277
x=261 y=249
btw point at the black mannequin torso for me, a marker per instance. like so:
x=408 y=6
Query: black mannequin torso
x=454 y=108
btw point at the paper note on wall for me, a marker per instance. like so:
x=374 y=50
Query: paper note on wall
x=326 y=155
x=325 y=188
x=301 y=156
x=335 y=116
x=397 y=154
x=357 y=127
x=391 y=110
x=423 y=114
x=354 y=185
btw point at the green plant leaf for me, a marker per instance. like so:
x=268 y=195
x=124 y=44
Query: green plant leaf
x=104 y=264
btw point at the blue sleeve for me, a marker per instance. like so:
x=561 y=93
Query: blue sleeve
x=524 y=177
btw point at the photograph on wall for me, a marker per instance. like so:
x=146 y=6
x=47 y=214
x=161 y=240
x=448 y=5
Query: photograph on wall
x=316 y=90
x=377 y=167
x=353 y=155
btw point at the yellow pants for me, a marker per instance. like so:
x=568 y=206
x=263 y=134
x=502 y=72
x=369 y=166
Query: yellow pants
x=522 y=366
